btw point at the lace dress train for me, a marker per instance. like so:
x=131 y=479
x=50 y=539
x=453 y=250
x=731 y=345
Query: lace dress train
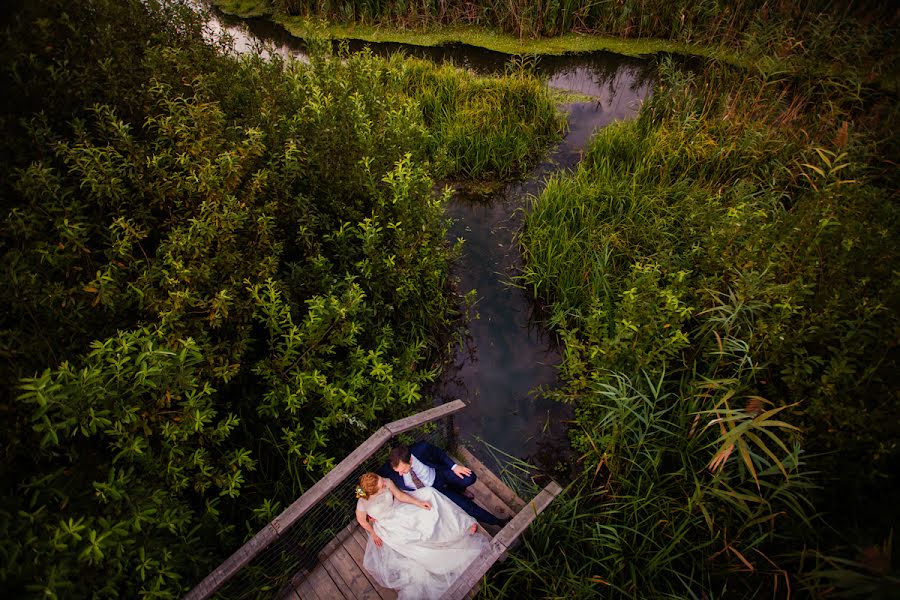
x=424 y=551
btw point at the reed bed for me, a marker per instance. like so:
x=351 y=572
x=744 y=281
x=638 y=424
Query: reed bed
x=822 y=32
x=484 y=126
x=718 y=271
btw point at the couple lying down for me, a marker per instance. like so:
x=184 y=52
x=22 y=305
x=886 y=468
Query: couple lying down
x=419 y=540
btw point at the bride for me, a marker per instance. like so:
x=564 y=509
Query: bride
x=419 y=542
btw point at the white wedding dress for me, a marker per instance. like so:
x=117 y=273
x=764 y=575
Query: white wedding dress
x=424 y=551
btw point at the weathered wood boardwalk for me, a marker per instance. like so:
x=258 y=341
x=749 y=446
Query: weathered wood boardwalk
x=341 y=576
x=335 y=572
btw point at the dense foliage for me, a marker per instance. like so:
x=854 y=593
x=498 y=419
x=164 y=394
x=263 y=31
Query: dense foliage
x=722 y=272
x=220 y=273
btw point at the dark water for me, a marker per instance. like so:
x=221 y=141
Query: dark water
x=506 y=355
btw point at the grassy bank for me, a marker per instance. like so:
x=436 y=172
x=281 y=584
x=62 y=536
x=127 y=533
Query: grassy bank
x=722 y=273
x=751 y=35
x=221 y=274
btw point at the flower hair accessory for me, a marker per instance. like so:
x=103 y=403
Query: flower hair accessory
x=361 y=493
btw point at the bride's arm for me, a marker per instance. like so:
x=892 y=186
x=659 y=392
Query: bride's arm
x=402 y=496
x=364 y=523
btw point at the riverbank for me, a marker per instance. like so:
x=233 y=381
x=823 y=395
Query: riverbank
x=778 y=56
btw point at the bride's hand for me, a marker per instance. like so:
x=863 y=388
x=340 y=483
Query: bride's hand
x=426 y=505
x=376 y=539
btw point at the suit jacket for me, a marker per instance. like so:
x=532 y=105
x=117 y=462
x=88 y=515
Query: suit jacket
x=425 y=453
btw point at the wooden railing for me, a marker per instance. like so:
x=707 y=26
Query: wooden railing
x=271 y=532
x=501 y=543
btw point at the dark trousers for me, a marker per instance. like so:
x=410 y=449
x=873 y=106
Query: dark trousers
x=447 y=483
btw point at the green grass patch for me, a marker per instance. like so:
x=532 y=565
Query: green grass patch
x=561 y=96
x=491 y=39
x=246 y=9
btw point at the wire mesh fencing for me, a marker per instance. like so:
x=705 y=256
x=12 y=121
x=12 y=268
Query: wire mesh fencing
x=279 y=558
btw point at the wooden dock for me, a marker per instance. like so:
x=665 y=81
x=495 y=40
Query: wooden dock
x=341 y=576
x=335 y=572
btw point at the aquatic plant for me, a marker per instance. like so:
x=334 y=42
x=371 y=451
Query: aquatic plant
x=719 y=271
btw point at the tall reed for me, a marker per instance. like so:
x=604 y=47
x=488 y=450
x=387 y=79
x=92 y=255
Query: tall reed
x=718 y=270
x=830 y=31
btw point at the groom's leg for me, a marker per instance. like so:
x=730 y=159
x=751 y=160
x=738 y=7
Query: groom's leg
x=471 y=509
x=451 y=485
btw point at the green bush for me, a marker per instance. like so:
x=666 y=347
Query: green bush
x=221 y=274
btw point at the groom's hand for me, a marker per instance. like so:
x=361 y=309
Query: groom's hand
x=461 y=471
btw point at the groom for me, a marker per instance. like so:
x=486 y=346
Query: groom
x=423 y=465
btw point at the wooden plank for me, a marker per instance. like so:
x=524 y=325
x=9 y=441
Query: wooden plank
x=474 y=572
x=326 y=485
x=357 y=551
x=325 y=588
x=305 y=591
x=336 y=577
x=337 y=540
x=233 y=564
x=354 y=579
x=432 y=414
x=527 y=515
x=490 y=479
x=489 y=500
x=500 y=544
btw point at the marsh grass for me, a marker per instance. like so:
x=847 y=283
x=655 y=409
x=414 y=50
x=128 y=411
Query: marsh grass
x=650 y=519
x=484 y=126
x=717 y=270
x=821 y=37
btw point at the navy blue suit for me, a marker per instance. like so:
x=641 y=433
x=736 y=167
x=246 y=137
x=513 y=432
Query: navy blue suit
x=445 y=480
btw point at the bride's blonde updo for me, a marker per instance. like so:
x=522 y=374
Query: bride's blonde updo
x=369 y=483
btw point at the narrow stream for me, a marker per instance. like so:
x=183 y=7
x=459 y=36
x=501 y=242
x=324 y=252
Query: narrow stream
x=506 y=355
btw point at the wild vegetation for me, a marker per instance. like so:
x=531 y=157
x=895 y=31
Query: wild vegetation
x=220 y=273
x=821 y=34
x=722 y=273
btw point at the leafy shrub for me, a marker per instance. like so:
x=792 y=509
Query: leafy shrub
x=221 y=273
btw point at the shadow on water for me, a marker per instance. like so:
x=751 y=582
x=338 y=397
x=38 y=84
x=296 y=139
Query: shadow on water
x=506 y=356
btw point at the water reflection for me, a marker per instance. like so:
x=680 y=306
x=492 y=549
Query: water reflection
x=505 y=356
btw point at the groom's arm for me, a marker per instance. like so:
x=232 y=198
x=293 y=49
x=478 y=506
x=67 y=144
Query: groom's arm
x=436 y=456
x=430 y=453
